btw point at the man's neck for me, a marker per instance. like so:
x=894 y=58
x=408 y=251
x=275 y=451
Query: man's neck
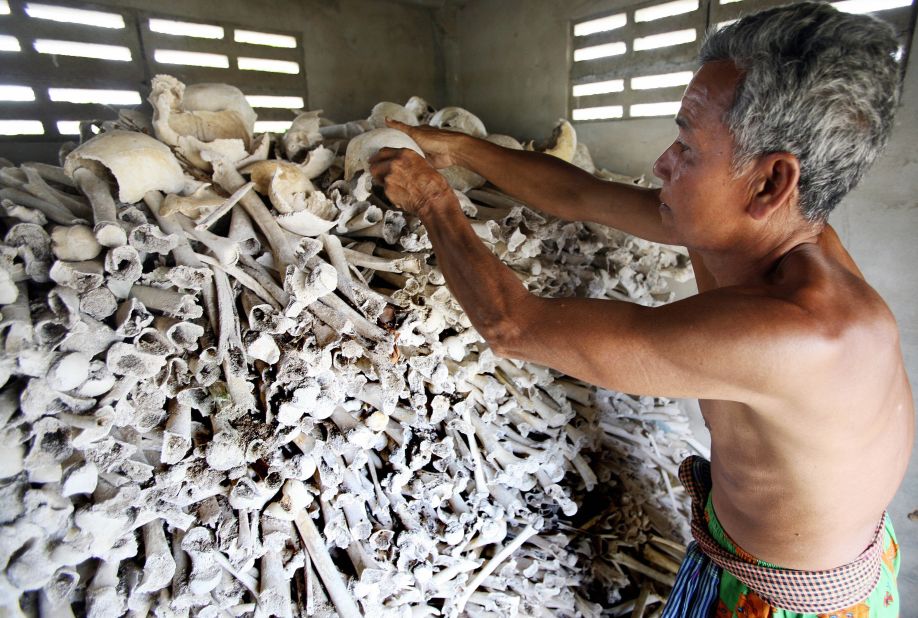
x=752 y=263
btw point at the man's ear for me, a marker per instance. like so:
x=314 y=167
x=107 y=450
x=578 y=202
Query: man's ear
x=776 y=184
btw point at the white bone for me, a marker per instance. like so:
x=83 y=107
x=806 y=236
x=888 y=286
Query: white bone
x=458 y=119
x=365 y=145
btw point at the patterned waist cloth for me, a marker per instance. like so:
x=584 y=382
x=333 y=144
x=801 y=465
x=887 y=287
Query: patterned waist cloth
x=798 y=591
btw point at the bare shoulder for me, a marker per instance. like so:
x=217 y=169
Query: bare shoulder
x=812 y=320
x=823 y=280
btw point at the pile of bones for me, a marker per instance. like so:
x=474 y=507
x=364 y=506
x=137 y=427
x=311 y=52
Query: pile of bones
x=235 y=383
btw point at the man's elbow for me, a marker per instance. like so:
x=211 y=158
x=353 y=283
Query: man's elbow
x=507 y=323
x=506 y=337
x=510 y=332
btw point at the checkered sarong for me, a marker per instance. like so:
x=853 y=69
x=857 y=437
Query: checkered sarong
x=814 y=592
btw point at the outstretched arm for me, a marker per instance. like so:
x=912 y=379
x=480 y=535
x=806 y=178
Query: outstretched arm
x=728 y=343
x=547 y=183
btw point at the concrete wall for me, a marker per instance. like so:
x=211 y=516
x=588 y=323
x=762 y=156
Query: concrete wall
x=356 y=52
x=513 y=68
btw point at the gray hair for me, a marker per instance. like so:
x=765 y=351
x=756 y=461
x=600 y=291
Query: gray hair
x=820 y=84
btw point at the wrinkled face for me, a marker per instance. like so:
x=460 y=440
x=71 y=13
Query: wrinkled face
x=703 y=202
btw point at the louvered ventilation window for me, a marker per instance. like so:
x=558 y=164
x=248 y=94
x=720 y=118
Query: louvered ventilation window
x=636 y=63
x=61 y=64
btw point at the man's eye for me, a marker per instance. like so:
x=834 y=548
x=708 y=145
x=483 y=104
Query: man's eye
x=682 y=146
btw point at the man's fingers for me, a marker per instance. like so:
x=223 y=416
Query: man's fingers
x=401 y=126
x=379 y=169
x=384 y=154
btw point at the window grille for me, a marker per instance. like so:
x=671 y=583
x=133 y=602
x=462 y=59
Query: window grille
x=636 y=62
x=63 y=62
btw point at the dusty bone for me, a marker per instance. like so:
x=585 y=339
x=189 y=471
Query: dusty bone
x=506 y=141
x=138 y=163
x=159 y=566
x=420 y=313
x=80 y=276
x=231 y=180
x=64 y=303
x=389 y=228
x=52 y=173
x=8 y=290
x=10 y=175
x=243 y=233
x=205 y=573
x=359 y=216
x=182 y=334
x=169 y=302
x=330 y=575
x=306 y=287
x=53 y=212
x=494 y=562
x=33 y=245
x=106 y=228
x=394 y=111
x=150 y=238
x=583 y=159
x=32 y=569
x=54 y=600
x=346 y=131
x=127 y=359
x=177 y=435
x=458 y=119
x=305 y=223
x=319 y=160
x=634 y=565
x=563 y=143
x=421 y=109
x=131 y=317
x=274 y=587
x=215 y=117
x=123 y=263
x=260 y=150
x=260 y=274
x=219 y=98
x=365 y=145
x=203 y=201
x=89 y=336
x=404 y=263
x=223 y=208
x=264 y=348
x=183 y=253
x=74 y=243
x=335 y=252
x=226 y=312
x=302 y=134
x=225 y=250
x=266 y=173
x=103 y=598
x=37 y=186
x=25 y=214
x=68 y=371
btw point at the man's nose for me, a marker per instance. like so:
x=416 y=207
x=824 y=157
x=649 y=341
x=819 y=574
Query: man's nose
x=661 y=167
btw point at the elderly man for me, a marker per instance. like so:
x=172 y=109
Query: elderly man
x=794 y=357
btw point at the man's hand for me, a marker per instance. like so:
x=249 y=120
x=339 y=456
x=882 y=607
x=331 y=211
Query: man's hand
x=439 y=146
x=408 y=180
